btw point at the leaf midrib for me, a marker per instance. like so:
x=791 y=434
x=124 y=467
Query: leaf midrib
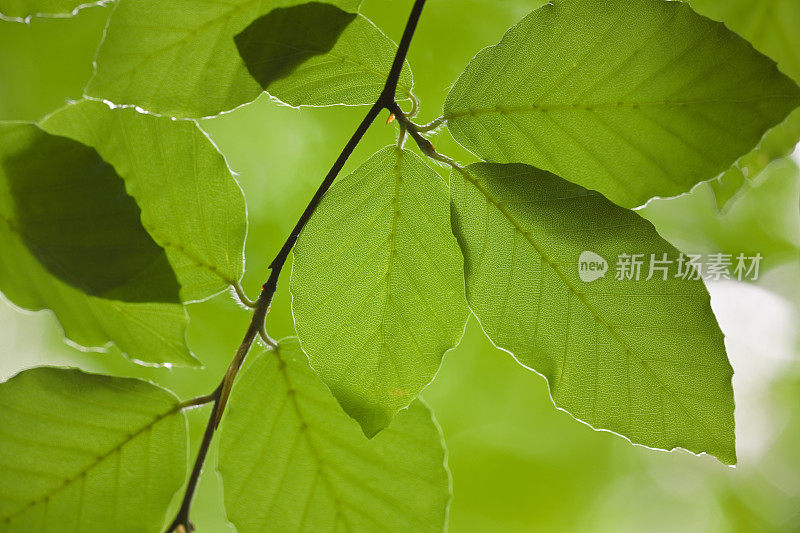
x=390 y=265
x=589 y=107
x=290 y=392
x=198 y=261
x=98 y=459
x=518 y=227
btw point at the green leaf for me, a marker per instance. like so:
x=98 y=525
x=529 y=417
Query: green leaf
x=770 y=25
x=179 y=58
x=191 y=204
x=634 y=99
x=291 y=460
x=377 y=286
x=23 y=10
x=147 y=332
x=779 y=142
x=71 y=210
x=644 y=359
x=83 y=452
x=316 y=54
x=763 y=218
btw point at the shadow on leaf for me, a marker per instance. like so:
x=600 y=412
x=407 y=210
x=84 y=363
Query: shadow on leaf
x=72 y=211
x=274 y=45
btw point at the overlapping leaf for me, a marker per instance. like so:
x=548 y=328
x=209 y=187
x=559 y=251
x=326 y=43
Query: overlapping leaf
x=771 y=26
x=643 y=358
x=316 y=54
x=291 y=460
x=71 y=210
x=67 y=248
x=778 y=142
x=635 y=99
x=191 y=206
x=190 y=202
x=377 y=285
x=764 y=219
x=82 y=452
x=178 y=57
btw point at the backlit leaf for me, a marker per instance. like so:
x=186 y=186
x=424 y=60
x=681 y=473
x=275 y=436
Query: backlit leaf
x=71 y=210
x=82 y=452
x=147 y=331
x=377 y=285
x=190 y=202
x=634 y=99
x=178 y=57
x=291 y=460
x=316 y=54
x=770 y=25
x=643 y=358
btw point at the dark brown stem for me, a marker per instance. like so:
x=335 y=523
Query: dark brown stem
x=182 y=524
x=386 y=100
x=425 y=146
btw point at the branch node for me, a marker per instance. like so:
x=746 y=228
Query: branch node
x=241 y=297
x=261 y=306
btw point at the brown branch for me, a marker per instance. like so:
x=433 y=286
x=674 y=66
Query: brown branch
x=220 y=395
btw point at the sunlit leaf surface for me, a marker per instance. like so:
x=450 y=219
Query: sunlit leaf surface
x=641 y=357
x=292 y=460
x=634 y=99
x=83 y=452
x=316 y=54
x=178 y=57
x=377 y=284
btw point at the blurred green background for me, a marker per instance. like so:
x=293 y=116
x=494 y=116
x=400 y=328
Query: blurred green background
x=518 y=464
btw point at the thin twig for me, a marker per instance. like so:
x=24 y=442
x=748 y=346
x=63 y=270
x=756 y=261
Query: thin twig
x=414 y=106
x=261 y=306
x=425 y=146
x=269 y=341
x=242 y=297
x=200 y=400
x=182 y=523
x=430 y=126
